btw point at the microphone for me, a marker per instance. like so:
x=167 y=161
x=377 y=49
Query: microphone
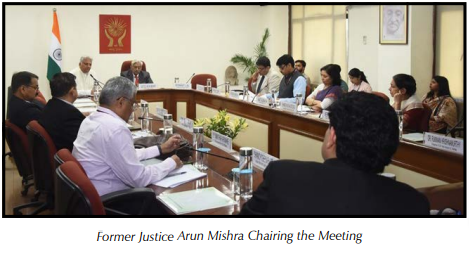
x=190 y=78
x=448 y=132
x=258 y=93
x=227 y=158
x=150 y=119
x=98 y=82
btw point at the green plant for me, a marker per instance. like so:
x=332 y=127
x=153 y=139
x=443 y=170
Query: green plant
x=221 y=123
x=249 y=63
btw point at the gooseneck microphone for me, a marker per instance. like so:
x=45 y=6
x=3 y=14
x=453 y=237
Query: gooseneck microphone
x=190 y=78
x=258 y=93
x=98 y=82
x=224 y=157
x=150 y=119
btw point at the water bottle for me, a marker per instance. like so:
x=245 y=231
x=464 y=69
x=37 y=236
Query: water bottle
x=197 y=143
x=401 y=122
x=227 y=87
x=145 y=122
x=176 y=80
x=168 y=124
x=245 y=93
x=272 y=93
x=209 y=85
x=298 y=100
x=245 y=172
x=96 y=92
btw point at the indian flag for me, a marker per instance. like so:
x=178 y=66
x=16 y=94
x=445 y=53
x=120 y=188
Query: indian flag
x=55 y=52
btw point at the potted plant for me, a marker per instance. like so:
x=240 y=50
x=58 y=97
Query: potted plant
x=221 y=124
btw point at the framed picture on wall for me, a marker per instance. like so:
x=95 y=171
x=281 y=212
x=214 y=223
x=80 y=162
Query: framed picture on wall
x=393 y=24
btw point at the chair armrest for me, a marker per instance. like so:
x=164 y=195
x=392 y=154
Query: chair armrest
x=136 y=201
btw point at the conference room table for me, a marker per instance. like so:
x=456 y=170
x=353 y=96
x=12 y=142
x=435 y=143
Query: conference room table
x=413 y=156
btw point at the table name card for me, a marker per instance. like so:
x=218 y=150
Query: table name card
x=160 y=112
x=182 y=86
x=223 y=141
x=290 y=107
x=234 y=94
x=262 y=101
x=261 y=159
x=216 y=91
x=187 y=123
x=146 y=86
x=444 y=143
x=200 y=87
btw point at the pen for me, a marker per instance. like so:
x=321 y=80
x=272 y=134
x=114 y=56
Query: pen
x=176 y=174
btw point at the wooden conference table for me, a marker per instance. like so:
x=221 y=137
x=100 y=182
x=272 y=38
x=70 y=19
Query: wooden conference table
x=441 y=165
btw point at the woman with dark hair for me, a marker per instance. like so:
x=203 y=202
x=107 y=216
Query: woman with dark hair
x=327 y=92
x=358 y=80
x=444 y=110
x=403 y=89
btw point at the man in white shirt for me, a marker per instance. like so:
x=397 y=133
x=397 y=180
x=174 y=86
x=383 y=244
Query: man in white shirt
x=300 y=65
x=265 y=79
x=83 y=79
x=104 y=145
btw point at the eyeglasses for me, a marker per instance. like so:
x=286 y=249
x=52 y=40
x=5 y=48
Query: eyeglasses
x=282 y=67
x=34 y=87
x=134 y=104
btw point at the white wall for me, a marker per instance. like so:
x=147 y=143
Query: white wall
x=381 y=62
x=174 y=41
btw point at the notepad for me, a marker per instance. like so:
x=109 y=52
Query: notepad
x=175 y=178
x=418 y=137
x=195 y=200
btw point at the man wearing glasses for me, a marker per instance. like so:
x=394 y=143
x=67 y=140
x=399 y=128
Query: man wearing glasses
x=264 y=79
x=104 y=145
x=21 y=109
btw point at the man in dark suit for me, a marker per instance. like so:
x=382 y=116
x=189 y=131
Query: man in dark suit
x=60 y=118
x=136 y=74
x=360 y=141
x=21 y=109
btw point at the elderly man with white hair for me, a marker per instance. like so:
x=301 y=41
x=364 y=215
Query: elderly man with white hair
x=105 y=148
x=136 y=74
x=83 y=79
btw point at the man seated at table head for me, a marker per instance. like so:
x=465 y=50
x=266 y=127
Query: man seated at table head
x=21 y=109
x=265 y=78
x=357 y=146
x=300 y=65
x=104 y=145
x=60 y=118
x=292 y=82
x=83 y=74
x=136 y=74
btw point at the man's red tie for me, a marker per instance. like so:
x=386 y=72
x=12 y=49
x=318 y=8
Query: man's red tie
x=136 y=80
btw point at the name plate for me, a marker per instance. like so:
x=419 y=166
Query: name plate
x=187 y=123
x=261 y=159
x=182 y=86
x=262 y=101
x=223 y=141
x=146 y=86
x=200 y=87
x=324 y=115
x=160 y=112
x=444 y=143
x=234 y=94
x=291 y=107
x=216 y=91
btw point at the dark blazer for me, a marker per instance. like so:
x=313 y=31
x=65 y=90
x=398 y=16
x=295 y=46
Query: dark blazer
x=62 y=122
x=21 y=112
x=332 y=188
x=143 y=76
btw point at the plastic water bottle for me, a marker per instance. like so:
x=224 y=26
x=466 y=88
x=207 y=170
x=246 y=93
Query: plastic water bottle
x=245 y=172
x=168 y=124
x=401 y=122
x=198 y=143
x=274 y=101
x=96 y=92
x=245 y=93
x=145 y=122
x=227 y=87
x=298 y=100
x=209 y=85
x=176 y=80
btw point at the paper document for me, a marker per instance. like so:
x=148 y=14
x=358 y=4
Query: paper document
x=413 y=137
x=83 y=100
x=305 y=108
x=195 y=200
x=139 y=134
x=180 y=176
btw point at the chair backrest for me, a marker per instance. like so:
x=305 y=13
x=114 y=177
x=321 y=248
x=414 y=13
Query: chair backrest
x=380 y=94
x=424 y=122
x=64 y=155
x=202 y=79
x=42 y=150
x=126 y=66
x=74 y=192
x=19 y=146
